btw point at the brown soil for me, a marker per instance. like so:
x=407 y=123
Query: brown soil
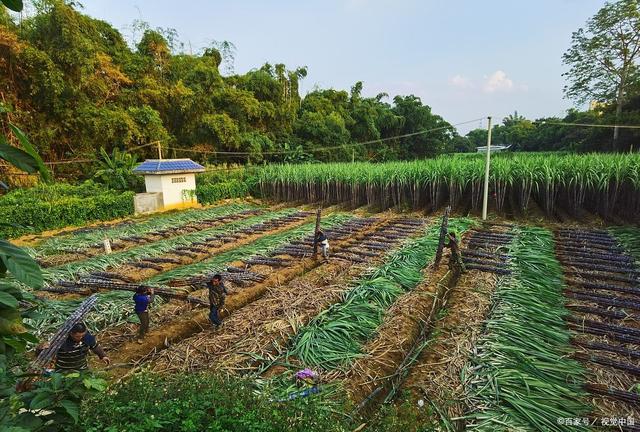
x=403 y=324
x=436 y=376
x=256 y=335
x=191 y=322
x=140 y=274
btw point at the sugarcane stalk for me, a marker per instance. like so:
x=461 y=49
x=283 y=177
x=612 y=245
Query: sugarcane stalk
x=45 y=356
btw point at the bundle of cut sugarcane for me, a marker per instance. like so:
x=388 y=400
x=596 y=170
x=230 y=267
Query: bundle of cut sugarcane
x=107 y=275
x=162 y=260
x=184 y=253
x=267 y=261
x=45 y=356
x=95 y=284
x=245 y=275
x=142 y=264
x=66 y=290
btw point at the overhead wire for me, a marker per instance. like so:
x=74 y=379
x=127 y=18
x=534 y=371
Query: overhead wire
x=342 y=146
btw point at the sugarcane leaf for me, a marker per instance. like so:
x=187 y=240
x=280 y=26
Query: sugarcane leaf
x=20 y=264
x=30 y=149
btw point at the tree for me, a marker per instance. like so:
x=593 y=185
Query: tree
x=602 y=58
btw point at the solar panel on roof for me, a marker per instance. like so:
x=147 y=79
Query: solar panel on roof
x=168 y=165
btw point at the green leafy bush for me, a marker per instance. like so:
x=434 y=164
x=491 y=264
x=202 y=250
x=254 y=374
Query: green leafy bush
x=48 y=207
x=202 y=402
x=210 y=193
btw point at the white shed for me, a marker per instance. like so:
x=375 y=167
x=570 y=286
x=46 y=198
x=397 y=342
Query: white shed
x=170 y=184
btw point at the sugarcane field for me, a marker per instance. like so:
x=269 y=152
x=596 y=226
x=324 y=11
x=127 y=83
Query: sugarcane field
x=193 y=240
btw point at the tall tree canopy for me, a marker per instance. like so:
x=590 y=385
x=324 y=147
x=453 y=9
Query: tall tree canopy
x=603 y=57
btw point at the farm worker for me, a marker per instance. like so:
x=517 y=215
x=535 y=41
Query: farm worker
x=72 y=355
x=455 y=260
x=217 y=292
x=322 y=240
x=142 y=298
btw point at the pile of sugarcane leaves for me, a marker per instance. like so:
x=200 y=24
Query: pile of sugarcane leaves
x=522 y=377
x=629 y=237
x=334 y=338
x=153 y=223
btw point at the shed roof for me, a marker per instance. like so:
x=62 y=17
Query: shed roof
x=168 y=166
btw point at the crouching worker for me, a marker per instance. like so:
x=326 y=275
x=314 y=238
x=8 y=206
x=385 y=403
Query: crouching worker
x=142 y=298
x=72 y=355
x=455 y=260
x=217 y=293
x=322 y=240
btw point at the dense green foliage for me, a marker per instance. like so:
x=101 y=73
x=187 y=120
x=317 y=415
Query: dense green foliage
x=522 y=377
x=76 y=86
x=56 y=206
x=605 y=184
x=202 y=402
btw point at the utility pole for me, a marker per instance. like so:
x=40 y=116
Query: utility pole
x=485 y=197
x=353 y=155
x=159 y=151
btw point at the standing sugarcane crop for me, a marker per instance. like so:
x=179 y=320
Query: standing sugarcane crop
x=217 y=293
x=142 y=298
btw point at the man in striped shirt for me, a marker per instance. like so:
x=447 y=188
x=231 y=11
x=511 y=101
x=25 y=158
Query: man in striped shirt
x=72 y=355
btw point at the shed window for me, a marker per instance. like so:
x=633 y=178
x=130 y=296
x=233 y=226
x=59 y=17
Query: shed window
x=178 y=180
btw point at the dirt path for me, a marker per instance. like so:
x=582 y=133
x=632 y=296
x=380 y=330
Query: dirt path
x=433 y=382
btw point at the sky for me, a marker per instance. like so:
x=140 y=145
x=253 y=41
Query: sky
x=467 y=59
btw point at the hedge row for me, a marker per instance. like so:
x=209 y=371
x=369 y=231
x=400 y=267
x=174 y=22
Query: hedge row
x=210 y=193
x=37 y=216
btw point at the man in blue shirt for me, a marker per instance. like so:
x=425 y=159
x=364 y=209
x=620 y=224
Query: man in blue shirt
x=142 y=298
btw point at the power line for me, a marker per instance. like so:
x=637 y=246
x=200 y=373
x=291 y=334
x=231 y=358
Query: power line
x=363 y=143
x=592 y=125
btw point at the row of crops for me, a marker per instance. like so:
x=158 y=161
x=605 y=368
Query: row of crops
x=601 y=183
x=289 y=310
x=523 y=377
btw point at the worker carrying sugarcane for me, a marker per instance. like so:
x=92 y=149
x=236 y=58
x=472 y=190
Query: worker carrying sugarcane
x=455 y=259
x=72 y=355
x=142 y=298
x=217 y=293
x=322 y=240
